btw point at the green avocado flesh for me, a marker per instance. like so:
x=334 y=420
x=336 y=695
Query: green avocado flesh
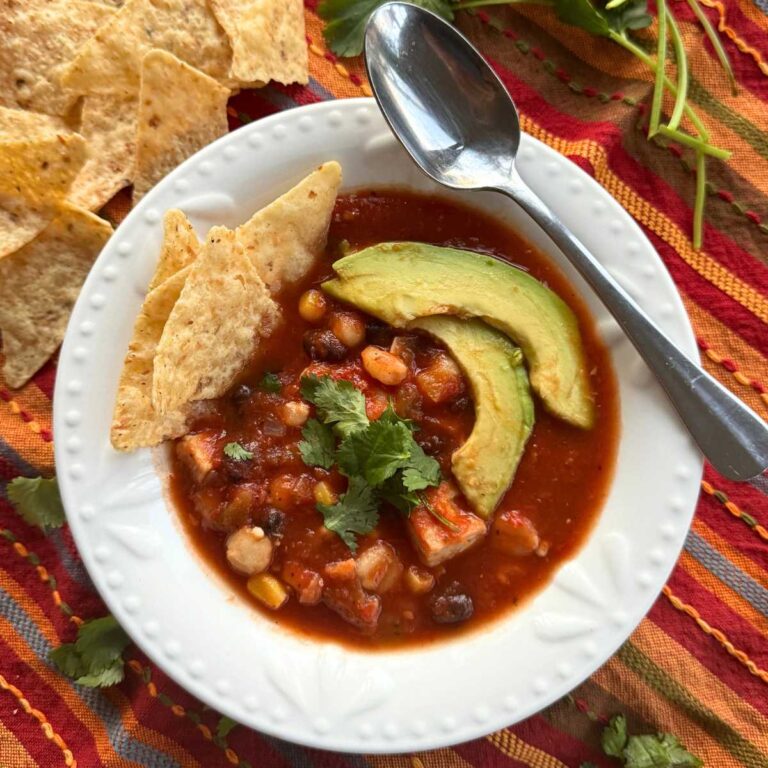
x=400 y=282
x=485 y=465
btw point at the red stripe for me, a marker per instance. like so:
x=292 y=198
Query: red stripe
x=641 y=179
x=320 y=759
x=44 y=698
x=745 y=68
x=298 y=93
x=738 y=535
x=746 y=496
x=83 y=601
x=682 y=628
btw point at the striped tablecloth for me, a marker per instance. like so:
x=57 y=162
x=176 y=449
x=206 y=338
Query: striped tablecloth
x=698 y=664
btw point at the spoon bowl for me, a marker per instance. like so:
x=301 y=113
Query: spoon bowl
x=460 y=125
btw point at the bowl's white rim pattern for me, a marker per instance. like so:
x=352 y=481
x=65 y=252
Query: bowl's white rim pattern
x=315 y=693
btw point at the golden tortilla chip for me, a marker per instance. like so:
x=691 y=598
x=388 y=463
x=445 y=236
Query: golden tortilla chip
x=135 y=424
x=38 y=288
x=111 y=60
x=109 y=128
x=267 y=37
x=214 y=327
x=285 y=239
x=39 y=38
x=19 y=124
x=181 y=110
x=35 y=175
x=180 y=247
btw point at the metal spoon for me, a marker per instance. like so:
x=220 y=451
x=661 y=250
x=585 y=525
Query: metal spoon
x=457 y=121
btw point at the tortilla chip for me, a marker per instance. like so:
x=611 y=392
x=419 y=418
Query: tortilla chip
x=180 y=247
x=135 y=424
x=214 y=327
x=285 y=239
x=267 y=37
x=38 y=288
x=40 y=37
x=111 y=60
x=19 y=123
x=35 y=175
x=181 y=110
x=109 y=127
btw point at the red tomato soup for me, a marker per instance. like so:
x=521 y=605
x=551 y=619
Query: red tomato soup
x=257 y=510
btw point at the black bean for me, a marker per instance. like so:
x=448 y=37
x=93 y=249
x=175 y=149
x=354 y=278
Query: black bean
x=461 y=403
x=323 y=345
x=241 y=394
x=378 y=333
x=431 y=444
x=451 y=606
x=273 y=522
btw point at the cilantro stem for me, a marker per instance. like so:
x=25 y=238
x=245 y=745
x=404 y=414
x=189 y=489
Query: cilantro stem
x=699 y=200
x=621 y=39
x=714 y=38
x=693 y=142
x=661 y=56
x=450 y=525
x=681 y=59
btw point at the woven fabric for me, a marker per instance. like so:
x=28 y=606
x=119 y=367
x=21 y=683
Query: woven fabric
x=698 y=664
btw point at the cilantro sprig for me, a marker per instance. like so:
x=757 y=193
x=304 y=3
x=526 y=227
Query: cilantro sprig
x=37 y=501
x=380 y=458
x=236 y=452
x=662 y=750
x=95 y=658
x=615 y=20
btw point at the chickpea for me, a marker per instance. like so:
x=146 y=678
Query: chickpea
x=348 y=328
x=312 y=306
x=294 y=413
x=418 y=580
x=324 y=494
x=383 y=366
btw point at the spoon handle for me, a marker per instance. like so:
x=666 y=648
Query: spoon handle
x=731 y=436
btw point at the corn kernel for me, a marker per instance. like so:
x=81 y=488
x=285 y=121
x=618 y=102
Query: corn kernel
x=268 y=590
x=312 y=306
x=324 y=494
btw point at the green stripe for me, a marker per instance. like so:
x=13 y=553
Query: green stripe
x=756 y=138
x=734 y=742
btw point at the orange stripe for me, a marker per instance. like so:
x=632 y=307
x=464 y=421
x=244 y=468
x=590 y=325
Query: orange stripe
x=63 y=689
x=30 y=447
x=335 y=75
x=45 y=726
x=742 y=45
x=625 y=684
x=723 y=592
x=654 y=219
x=692 y=675
x=715 y=540
x=12 y=752
x=31 y=607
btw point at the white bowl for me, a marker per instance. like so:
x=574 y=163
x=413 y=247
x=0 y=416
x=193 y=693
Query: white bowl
x=314 y=692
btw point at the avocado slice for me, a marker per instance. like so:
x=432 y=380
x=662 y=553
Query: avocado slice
x=486 y=464
x=399 y=282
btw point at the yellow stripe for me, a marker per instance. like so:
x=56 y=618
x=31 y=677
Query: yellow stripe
x=513 y=746
x=12 y=752
x=654 y=219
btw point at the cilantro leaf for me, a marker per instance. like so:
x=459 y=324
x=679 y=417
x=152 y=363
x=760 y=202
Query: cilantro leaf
x=356 y=512
x=317 y=447
x=339 y=403
x=270 y=382
x=37 y=501
x=224 y=727
x=236 y=452
x=658 y=751
x=421 y=471
x=395 y=493
x=614 y=737
x=95 y=658
x=375 y=453
x=346 y=19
